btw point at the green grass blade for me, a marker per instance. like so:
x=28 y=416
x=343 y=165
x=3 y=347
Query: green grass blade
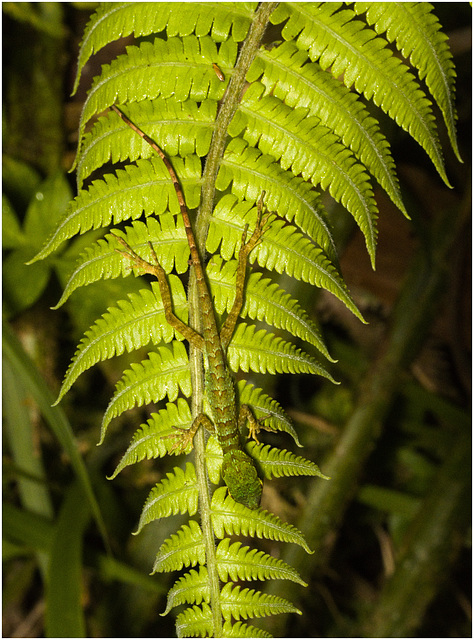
x=33 y=383
x=33 y=492
x=64 y=613
x=26 y=529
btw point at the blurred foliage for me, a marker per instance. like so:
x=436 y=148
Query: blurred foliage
x=400 y=539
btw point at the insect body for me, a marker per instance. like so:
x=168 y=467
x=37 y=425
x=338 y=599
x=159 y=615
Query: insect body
x=238 y=469
x=219 y=73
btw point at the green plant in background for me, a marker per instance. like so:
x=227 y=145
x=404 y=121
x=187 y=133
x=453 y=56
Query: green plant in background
x=238 y=113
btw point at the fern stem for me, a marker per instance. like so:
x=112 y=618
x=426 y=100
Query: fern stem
x=228 y=108
x=208 y=533
x=227 y=111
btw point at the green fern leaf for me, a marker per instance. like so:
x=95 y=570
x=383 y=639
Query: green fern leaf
x=195 y=622
x=144 y=188
x=236 y=562
x=179 y=128
x=315 y=152
x=214 y=457
x=282 y=248
x=261 y=351
x=250 y=172
x=288 y=76
x=279 y=462
x=262 y=405
x=164 y=373
x=152 y=439
x=349 y=50
x=241 y=630
x=247 y=603
x=231 y=518
x=177 y=493
x=113 y=21
x=132 y=324
x=97 y=261
x=185 y=548
x=178 y=67
x=192 y=588
x=264 y=300
x=102 y=260
x=416 y=31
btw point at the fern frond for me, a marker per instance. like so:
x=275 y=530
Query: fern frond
x=287 y=74
x=277 y=463
x=282 y=248
x=247 y=603
x=261 y=351
x=262 y=405
x=241 y=126
x=142 y=189
x=132 y=324
x=236 y=562
x=192 y=588
x=264 y=300
x=152 y=440
x=102 y=260
x=164 y=373
x=178 y=67
x=231 y=518
x=416 y=31
x=179 y=128
x=241 y=630
x=195 y=622
x=250 y=172
x=348 y=49
x=113 y=21
x=185 y=548
x=315 y=152
x=177 y=493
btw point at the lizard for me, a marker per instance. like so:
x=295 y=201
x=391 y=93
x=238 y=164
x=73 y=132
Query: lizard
x=238 y=469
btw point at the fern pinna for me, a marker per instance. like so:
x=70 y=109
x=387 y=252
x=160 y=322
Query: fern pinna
x=238 y=116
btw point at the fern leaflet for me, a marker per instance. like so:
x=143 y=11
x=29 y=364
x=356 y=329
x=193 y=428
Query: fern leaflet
x=231 y=518
x=243 y=563
x=177 y=493
x=183 y=548
x=164 y=373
